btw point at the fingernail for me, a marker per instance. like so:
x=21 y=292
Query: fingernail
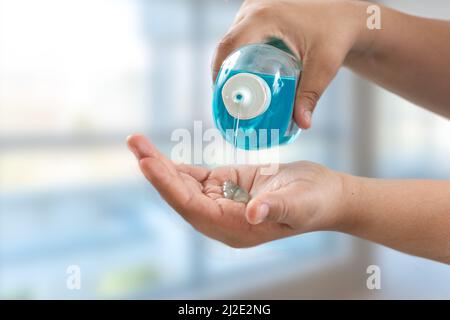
x=307 y=115
x=262 y=213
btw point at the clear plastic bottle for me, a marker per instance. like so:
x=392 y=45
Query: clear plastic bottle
x=254 y=96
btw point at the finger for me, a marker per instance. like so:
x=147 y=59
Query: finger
x=143 y=148
x=171 y=187
x=319 y=69
x=271 y=206
x=163 y=175
x=198 y=173
x=189 y=202
x=139 y=146
x=241 y=34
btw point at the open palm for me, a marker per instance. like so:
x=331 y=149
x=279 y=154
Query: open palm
x=196 y=194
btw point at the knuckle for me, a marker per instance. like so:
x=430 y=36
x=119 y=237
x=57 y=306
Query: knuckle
x=224 y=48
x=283 y=213
x=263 y=11
x=226 y=43
x=147 y=165
x=311 y=96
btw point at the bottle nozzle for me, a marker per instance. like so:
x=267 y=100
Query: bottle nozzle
x=246 y=96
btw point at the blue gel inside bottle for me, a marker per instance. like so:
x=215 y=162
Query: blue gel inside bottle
x=254 y=97
x=278 y=116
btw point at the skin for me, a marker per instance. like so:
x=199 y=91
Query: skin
x=409 y=56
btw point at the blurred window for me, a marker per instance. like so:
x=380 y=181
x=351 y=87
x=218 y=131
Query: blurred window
x=76 y=77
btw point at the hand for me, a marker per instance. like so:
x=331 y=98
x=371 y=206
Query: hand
x=322 y=33
x=300 y=197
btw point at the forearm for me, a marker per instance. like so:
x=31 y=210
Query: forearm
x=412 y=216
x=409 y=56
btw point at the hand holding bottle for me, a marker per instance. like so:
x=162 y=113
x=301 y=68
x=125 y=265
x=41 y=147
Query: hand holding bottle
x=322 y=33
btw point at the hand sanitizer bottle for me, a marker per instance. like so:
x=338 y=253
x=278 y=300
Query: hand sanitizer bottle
x=254 y=95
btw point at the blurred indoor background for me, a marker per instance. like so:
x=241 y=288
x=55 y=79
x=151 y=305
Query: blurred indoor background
x=77 y=77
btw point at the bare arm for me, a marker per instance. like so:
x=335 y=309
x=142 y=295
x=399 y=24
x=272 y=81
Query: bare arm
x=409 y=56
x=412 y=216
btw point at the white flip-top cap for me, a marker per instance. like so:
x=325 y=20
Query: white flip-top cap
x=246 y=96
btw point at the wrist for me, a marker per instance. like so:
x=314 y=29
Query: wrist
x=350 y=202
x=364 y=37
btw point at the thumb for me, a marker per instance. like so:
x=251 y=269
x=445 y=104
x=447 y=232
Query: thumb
x=270 y=206
x=318 y=71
